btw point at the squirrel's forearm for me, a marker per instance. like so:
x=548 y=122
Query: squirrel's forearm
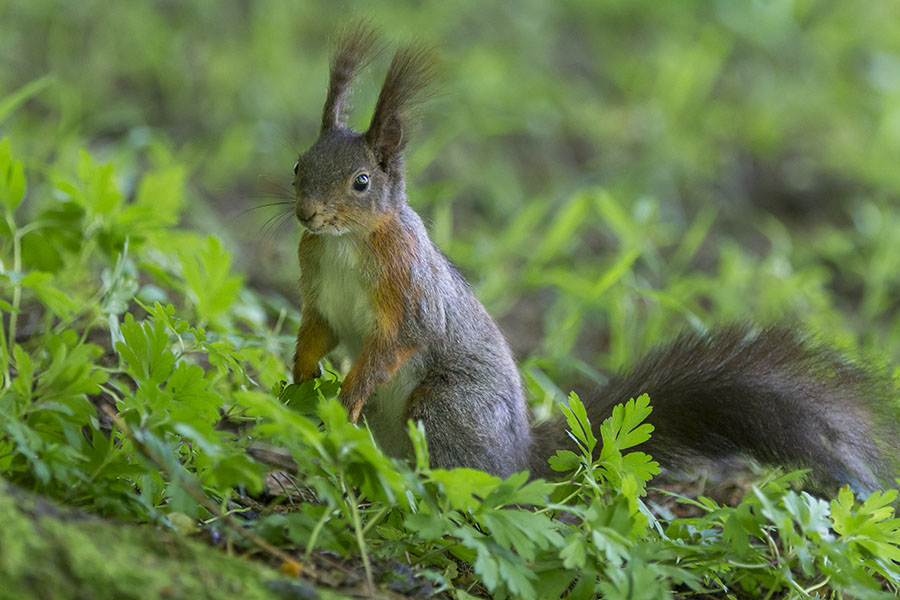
x=382 y=352
x=377 y=362
x=314 y=340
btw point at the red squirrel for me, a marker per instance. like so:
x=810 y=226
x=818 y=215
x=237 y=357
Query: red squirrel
x=424 y=347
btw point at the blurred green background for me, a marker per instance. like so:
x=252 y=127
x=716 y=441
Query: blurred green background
x=604 y=173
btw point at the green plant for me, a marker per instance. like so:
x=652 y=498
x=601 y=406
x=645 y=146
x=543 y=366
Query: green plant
x=115 y=399
x=745 y=161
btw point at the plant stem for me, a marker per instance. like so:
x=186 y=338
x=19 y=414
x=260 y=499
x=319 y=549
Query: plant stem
x=376 y=519
x=17 y=288
x=360 y=539
x=315 y=534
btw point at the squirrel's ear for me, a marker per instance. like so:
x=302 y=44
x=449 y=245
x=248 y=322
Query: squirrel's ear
x=405 y=84
x=355 y=49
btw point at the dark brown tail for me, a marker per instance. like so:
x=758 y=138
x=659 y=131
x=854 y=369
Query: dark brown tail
x=770 y=394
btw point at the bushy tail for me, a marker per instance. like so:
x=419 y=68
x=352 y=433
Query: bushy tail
x=768 y=394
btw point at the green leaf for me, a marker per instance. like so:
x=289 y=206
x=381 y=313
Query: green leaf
x=73 y=371
x=524 y=531
x=99 y=195
x=145 y=350
x=614 y=273
x=625 y=428
x=464 y=488
x=158 y=202
x=563 y=231
x=12 y=178
x=579 y=424
x=565 y=460
x=574 y=553
x=869 y=525
x=517 y=490
x=302 y=398
x=427 y=525
x=211 y=286
x=497 y=565
x=190 y=386
x=416 y=430
x=120 y=288
x=641 y=465
x=13 y=101
x=280 y=421
x=29 y=444
x=55 y=299
x=24 y=382
x=205 y=442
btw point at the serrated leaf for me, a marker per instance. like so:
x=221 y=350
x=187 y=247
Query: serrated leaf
x=579 y=424
x=427 y=525
x=574 y=554
x=869 y=525
x=24 y=382
x=640 y=465
x=60 y=303
x=517 y=490
x=189 y=385
x=302 y=398
x=464 y=488
x=524 y=531
x=146 y=350
x=101 y=196
x=210 y=283
x=625 y=428
x=29 y=444
x=564 y=460
x=158 y=200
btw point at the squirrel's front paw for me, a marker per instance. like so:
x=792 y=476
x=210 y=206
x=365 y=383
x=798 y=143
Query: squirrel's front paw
x=301 y=375
x=353 y=403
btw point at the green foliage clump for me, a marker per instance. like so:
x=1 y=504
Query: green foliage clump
x=83 y=260
x=138 y=378
x=141 y=377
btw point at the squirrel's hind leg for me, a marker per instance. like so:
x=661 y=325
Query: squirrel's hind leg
x=469 y=427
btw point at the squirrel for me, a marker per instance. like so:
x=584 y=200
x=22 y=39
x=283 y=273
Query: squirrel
x=426 y=349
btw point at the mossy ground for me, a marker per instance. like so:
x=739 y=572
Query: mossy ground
x=51 y=553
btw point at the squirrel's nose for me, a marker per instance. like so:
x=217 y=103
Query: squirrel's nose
x=305 y=213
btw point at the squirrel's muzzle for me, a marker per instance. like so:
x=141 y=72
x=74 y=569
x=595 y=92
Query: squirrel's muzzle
x=305 y=211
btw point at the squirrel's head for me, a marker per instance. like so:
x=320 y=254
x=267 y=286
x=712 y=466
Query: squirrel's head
x=348 y=180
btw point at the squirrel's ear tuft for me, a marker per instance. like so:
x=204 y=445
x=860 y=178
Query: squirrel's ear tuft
x=356 y=48
x=405 y=85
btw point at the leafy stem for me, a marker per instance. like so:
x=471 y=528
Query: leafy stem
x=360 y=536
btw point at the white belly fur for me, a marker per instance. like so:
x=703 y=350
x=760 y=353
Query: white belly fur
x=345 y=300
x=385 y=411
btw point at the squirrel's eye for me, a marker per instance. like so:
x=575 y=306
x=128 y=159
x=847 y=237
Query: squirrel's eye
x=296 y=167
x=361 y=183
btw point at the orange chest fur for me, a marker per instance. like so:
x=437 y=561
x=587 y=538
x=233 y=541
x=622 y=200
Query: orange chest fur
x=360 y=286
x=364 y=296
